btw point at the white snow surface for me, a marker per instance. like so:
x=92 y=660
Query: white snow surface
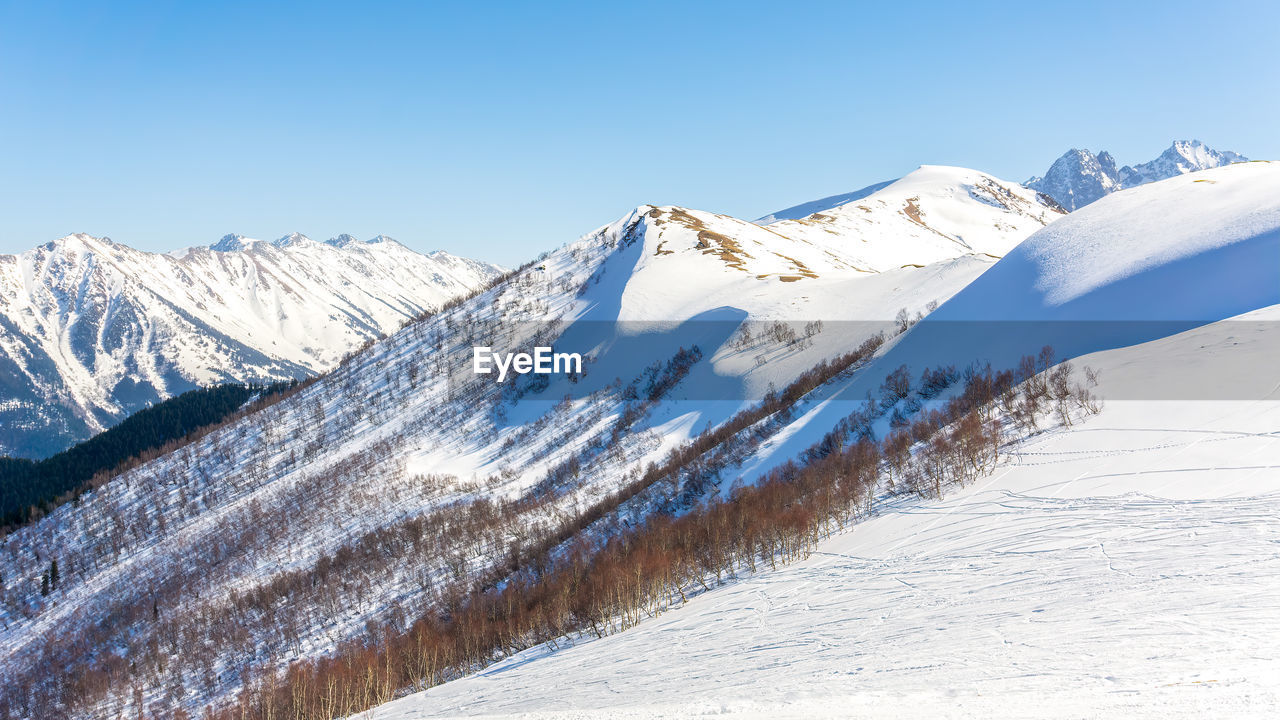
x=929 y=215
x=1124 y=567
x=795 y=212
x=1135 y=267
x=1132 y=231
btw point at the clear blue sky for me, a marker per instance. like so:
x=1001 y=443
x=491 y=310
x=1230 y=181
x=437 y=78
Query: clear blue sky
x=499 y=130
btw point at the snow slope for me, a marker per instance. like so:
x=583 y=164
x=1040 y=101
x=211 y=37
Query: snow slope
x=93 y=330
x=1137 y=266
x=805 y=209
x=1123 y=566
x=694 y=277
x=697 y=261
x=1126 y=566
x=931 y=214
x=1132 y=267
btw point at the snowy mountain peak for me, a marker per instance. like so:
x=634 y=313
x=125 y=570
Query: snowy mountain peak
x=346 y=240
x=78 y=237
x=293 y=238
x=230 y=242
x=78 y=242
x=682 y=262
x=1079 y=177
x=1182 y=157
x=933 y=213
x=341 y=241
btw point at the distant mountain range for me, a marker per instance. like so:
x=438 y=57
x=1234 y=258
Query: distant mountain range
x=1079 y=177
x=92 y=330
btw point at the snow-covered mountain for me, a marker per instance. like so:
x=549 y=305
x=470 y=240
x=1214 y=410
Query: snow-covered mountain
x=405 y=436
x=932 y=214
x=1182 y=157
x=93 y=330
x=1118 y=565
x=1133 y=268
x=699 y=261
x=1079 y=177
x=401 y=481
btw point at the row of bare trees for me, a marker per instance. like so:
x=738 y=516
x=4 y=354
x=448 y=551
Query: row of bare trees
x=577 y=586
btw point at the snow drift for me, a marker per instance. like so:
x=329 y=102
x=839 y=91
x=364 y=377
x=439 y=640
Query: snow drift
x=1135 y=266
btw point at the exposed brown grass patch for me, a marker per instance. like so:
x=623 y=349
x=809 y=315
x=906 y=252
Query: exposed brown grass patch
x=912 y=211
x=799 y=266
x=729 y=250
x=710 y=242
